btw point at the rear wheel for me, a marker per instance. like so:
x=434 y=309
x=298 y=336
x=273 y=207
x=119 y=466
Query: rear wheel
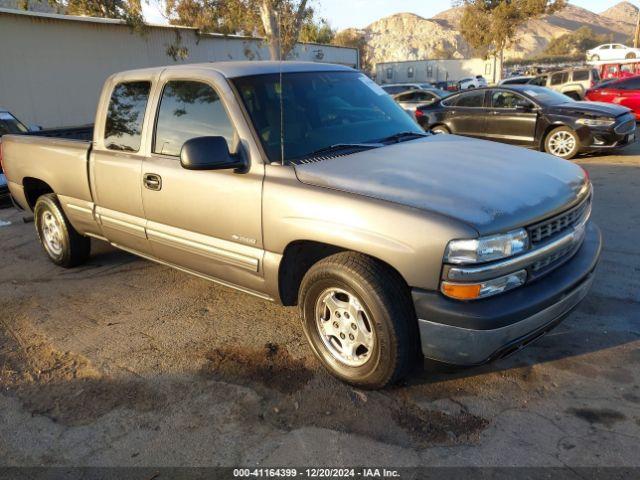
x=562 y=142
x=60 y=241
x=440 y=129
x=358 y=317
x=630 y=55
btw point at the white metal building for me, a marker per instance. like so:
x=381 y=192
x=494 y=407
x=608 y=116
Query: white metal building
x=438 y=70
x=52 y=66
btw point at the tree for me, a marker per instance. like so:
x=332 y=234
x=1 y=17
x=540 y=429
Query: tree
x=574 y=43
x=355 y=39
x=317 y=32
x=279 y=21
x=489 y=26
x=128 y=10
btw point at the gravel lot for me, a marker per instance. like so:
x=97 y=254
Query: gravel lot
x=125 y=362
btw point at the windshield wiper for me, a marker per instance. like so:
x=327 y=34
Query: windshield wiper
x=340 y=146
x=400 y=136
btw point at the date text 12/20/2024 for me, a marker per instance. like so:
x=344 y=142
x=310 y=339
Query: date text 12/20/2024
x=316 y=473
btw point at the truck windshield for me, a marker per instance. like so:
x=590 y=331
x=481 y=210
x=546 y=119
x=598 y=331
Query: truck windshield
x=10 y=124
x=312 y=111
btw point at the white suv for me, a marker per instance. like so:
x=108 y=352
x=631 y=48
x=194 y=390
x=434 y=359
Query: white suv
x=472 y=82
x=612 y=51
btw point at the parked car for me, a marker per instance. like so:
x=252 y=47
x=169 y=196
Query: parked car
x=412 y=99
x=625 y=92
x=395 y=88
x=534 y=117
x=618 y=70
x=305 y=184
x=572 y=82
x=472 y=82
x=516 y=80
x=449 y=85
x=8 y=124
x=612 y=51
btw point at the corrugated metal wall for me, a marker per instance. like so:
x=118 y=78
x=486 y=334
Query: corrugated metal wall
x=437 y=70
x=52 y=69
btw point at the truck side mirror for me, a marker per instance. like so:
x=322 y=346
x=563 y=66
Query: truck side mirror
x=208 y=153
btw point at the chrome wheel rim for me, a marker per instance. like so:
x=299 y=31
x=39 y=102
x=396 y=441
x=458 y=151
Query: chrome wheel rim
x=439 y=131
x=344 y=327
x=52 y=234
x=561 y=144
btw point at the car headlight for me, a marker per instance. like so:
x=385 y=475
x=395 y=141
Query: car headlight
x=596 y=122
x=486 y=249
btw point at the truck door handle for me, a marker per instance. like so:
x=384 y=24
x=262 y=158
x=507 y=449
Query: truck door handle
x=152 y=181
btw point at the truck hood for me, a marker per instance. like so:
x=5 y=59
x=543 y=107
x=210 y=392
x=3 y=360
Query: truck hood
x=490 y=186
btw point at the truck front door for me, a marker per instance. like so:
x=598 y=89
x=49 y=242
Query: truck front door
x=209 y=222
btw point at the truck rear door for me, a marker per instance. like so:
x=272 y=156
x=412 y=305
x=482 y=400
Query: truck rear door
x=207 y=221
x=116 y=163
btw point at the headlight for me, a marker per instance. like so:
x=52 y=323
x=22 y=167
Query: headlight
x=486 y=249
x=596 y=122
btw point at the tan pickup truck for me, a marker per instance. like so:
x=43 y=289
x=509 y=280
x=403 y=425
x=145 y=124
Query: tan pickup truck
x=307 y=184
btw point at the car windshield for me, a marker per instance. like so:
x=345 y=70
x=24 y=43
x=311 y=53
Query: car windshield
x=319 y=110
x=546 y=96
x=10 y=124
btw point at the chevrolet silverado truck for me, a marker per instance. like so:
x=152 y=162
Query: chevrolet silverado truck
x=306 y=184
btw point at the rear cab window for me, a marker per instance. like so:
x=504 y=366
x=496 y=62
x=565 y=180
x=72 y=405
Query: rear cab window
x=189 y=109
x=127 y=107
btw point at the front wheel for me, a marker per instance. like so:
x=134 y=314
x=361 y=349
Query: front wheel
x=358 y=317
x=595 y=58
x=630 y=56
x=562 y=142
x=61 y=242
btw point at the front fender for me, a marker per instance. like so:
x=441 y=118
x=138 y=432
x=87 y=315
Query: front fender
x=410 y=240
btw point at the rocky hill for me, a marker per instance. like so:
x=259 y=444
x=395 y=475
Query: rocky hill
x=406 y=36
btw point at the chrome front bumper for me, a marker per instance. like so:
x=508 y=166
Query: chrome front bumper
x=472 y=333
x=463 y=346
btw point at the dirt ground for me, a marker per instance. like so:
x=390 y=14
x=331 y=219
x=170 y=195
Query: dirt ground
x=125 y=362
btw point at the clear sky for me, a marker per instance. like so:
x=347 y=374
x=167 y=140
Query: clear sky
x=360 y=13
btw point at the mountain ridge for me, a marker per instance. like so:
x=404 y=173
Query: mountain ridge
x=408 y=36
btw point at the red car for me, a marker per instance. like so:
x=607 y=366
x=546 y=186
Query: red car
x=625 y=92
x=619 y=70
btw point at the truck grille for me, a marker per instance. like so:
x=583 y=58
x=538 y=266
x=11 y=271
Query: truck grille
x=551 y=227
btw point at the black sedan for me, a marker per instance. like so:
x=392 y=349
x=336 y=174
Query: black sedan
x=531 y=116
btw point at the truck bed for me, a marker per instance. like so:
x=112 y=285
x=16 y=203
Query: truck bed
x=60 y=163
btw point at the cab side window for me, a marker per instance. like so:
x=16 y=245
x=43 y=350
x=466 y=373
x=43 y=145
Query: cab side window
x=123 y=129
x=188 y=110
x=470 y=100
x=506 y=99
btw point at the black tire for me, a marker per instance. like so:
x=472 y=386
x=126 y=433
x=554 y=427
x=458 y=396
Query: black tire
x=387 y=306
x=440 y=129
x=595 y=58
x=574 y=95
x=562 y=131
x=74 y=249
x=630 y=56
